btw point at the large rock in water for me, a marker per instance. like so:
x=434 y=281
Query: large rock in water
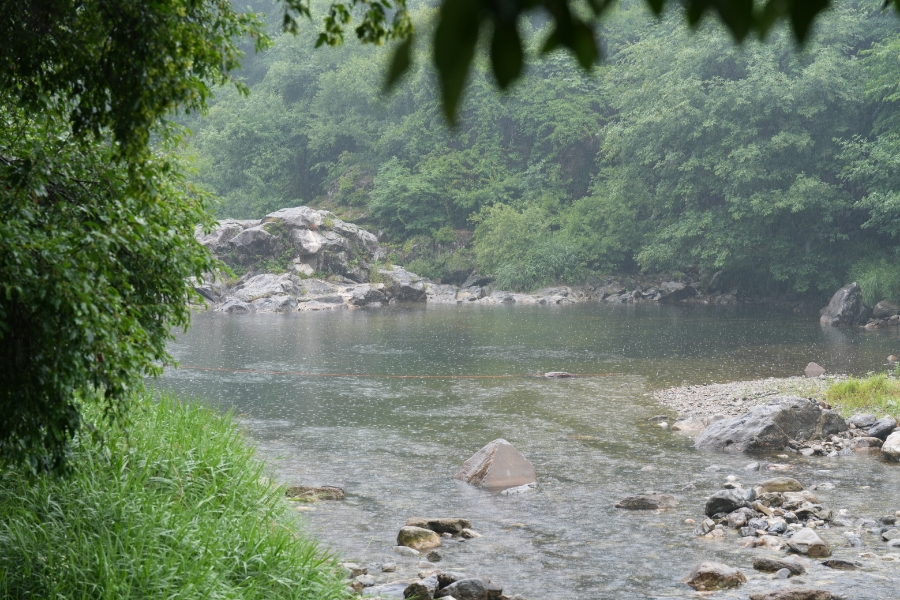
x=403 y=285
x=771 y=426
x=710 y=576
x=846 y=308
x=891 y=447
x=496 y=467
x=418 y=538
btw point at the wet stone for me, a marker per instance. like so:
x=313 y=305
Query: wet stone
x=497 y=466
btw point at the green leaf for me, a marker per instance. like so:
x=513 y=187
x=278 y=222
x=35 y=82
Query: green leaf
x=506 y=53
x=459 y=25
x=400 y=62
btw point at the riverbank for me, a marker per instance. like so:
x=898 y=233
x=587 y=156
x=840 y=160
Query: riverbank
x=178 y=505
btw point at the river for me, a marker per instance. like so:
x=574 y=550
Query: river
x=395 y=443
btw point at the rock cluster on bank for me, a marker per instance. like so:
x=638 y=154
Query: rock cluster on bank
x=303 y=259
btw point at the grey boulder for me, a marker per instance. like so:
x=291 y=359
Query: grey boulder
x=771 y=427
x=497 y=466
x=883 y=428
x=475 y=588
x=846 y=308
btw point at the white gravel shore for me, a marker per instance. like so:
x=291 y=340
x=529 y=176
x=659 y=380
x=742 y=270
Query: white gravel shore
x=736 y=398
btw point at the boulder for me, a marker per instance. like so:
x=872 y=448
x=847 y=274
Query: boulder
x=846 y=308
x=440 y=525
x=862 y=421
x=689 y=425
x=885 y=310
x=424 y=589
x=496 y=467
x=866 y=444
x=724 y=501
x=648 y=501
x=233 y=306
x=794 y=593
x=674 y=291
x=402 y=285
x=814 y=370
x=891 y=447
x=771 y=426
x=418 y=538
x=474 y=588
x=710 y=576
x=780 y=485
x=806 y=541
x=883 y=428
x=772 y=565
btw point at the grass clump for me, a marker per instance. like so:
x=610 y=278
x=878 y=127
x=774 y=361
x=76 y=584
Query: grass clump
x=176 y=507
x=878 y=280
x=876 y=393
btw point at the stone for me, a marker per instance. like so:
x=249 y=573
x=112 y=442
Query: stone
x=402 y=285
x=891 y=447
x=782 y=573
x=497 y=466
x=771 y=426
x=862 y=420
x=433 y=556
x=846 y=308
x=365 y=580
x=648 y=501
x=423 y=589
x=674 y=291
x=773 y=565
x=814 y=370
x=474 y=588
x=890 y=534
x=841 y=564
x=440 y=525
x=469 y=534
x=233 y=306
x=794 y=500
x=406 y=551
x=866 y=444
x=389 y=567
x=806 y=541
x=418 y=538
x=689 y=426
x=794 y=593
x=883 y=428
x=885 y=310
x=711 y=576
x=724 y=501
x=324 y=492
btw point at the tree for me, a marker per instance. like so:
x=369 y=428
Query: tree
x=96 y=223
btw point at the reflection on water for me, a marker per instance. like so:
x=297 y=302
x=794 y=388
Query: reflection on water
x=394 y=444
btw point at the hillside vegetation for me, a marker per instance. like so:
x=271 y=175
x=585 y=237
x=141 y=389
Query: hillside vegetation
x=776 y=166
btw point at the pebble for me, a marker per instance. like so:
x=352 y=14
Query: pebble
x=782 y=574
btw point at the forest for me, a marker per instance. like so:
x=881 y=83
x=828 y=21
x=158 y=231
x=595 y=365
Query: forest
x=772 y=163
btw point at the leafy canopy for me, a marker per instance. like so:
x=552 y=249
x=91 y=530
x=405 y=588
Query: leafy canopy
x=96 y=224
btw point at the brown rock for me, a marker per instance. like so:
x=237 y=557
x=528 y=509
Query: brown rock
x=814 y=370
x=312 y=493
x=866 y=444
x=496 y=467
x=794 y=593
x=648 y=501
x=418 y=538
x=709 y=576
x=442 y=525
x=771 y=565
x=780 y=484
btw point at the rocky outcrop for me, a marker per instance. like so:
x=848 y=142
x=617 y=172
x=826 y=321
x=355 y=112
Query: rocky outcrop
x=300 y=239
x=846 y=308
x=771 y=427
x=496 y=467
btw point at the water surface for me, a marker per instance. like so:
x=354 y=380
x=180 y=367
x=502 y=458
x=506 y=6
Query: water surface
x=394 y=443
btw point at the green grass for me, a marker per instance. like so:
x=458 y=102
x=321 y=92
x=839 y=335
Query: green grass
x=177 y=507
x=877 y=393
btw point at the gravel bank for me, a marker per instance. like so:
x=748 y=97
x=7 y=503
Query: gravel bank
x=736 y=398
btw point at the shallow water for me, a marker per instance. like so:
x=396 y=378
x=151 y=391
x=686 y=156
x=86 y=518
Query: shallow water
x=394 y=443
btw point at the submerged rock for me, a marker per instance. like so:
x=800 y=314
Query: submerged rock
x=325 y=492
x=780 y=485
x=473 y=588
x=770 y=427
x=795 y=593
x=648 y=501
x=772 y=565
x=710 y=576
x=496 y=467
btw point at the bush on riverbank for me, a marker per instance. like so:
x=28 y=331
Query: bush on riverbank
x=877 y=393
x=176 y=507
